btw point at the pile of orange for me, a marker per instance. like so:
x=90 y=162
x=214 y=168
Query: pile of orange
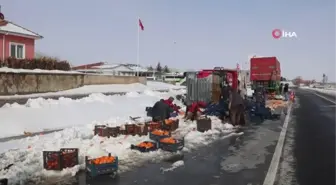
x=103 y=160
x=146 y=145
x=52 y=164
x=273 y=104
x=169 y=121
x=168 y=140
x=160 y=132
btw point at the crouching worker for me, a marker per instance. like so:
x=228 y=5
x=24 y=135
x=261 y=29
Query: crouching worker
x=193 y=110
x=170 y=103
x=236 y=107
x=161 y=111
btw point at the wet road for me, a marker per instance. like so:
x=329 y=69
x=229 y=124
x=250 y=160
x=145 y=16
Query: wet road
x=233 y=161
x=309 y=151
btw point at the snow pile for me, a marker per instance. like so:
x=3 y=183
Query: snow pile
x=173 y=166
x=111 y=88
x=330 y=91
x=27 y=157
x=46 y=114
x=12 y=70
x=160 y=85
x=78 y=117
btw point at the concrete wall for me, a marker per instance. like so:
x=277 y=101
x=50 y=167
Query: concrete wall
x=28 y=83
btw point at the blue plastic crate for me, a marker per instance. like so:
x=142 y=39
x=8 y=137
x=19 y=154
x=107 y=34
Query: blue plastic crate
x=101 y=169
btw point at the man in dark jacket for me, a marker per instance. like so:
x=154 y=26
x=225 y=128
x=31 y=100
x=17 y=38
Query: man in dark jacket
x=281 y=88
x=286 y=90
x=225 y=91
x=161 y=111
x=236 y=107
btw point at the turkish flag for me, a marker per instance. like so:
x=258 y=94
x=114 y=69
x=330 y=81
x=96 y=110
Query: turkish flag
x=141 y=25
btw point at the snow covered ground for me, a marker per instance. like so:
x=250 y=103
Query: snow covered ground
x=27 y=155
x=89 y=89
x=44 y=114
x=330 y=91
x=80 y=116
x=11 y=70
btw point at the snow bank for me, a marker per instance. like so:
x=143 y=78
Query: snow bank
x=330 y=91
x=27 y=157
x=45 y=114
x=89 y=89
x=11 y=70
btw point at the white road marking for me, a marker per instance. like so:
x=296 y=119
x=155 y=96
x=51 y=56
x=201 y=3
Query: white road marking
x=328 y=106
x=325 y=98
x=273 y=168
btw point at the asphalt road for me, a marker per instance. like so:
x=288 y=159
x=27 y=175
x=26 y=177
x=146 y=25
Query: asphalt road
x=242 y=160
x=309 y=151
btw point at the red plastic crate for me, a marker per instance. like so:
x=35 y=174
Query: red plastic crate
x=69 y=157
x=52 y=160
x=130 y=129
x=154 y=125
x=141 y=129
x=101 y=130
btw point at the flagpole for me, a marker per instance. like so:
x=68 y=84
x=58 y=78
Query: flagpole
x=138 y=47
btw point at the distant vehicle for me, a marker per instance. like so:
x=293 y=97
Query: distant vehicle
x=173 y=77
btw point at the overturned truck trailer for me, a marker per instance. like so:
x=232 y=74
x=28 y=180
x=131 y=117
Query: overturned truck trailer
x=205 y=85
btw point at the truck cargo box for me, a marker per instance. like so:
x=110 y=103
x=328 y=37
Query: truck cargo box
x=265 y=68
x=202 y=87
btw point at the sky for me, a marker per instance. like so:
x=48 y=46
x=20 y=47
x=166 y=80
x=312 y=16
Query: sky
x=184 y=34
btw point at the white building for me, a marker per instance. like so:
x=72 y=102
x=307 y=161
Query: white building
x=114 y=69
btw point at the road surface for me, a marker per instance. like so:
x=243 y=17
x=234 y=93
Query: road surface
x=309 y=152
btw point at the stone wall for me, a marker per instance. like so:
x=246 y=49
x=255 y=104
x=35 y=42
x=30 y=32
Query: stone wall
x=28 y=83
x=109 y=79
